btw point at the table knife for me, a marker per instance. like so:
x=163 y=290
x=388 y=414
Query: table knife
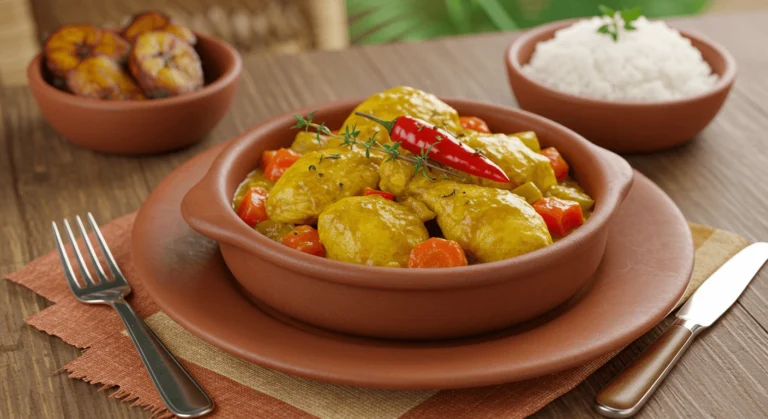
x=631 y=389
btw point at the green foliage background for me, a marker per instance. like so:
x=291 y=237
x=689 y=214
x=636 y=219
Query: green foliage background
x=378 y=21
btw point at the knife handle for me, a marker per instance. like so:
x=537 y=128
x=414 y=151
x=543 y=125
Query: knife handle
x=626 y=394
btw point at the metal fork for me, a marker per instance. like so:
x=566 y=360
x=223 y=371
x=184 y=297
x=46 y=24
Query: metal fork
x=180 y=392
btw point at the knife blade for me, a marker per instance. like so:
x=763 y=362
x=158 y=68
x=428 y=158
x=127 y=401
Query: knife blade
x=626 y=394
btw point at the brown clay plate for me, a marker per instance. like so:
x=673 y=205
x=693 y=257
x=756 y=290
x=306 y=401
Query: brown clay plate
x=646 y=267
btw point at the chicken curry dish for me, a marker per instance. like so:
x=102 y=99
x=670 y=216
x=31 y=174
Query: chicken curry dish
x=406 y=182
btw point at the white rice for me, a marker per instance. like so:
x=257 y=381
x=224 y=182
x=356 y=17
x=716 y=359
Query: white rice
x=652 y=63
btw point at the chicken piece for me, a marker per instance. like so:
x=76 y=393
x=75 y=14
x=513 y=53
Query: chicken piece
x=69 y=45
x=396 y=175
x=370 y=230
x=520 y=163
x=318 y=179
x=102 y=78
x=490 y=224
x=398 y=101
x=306 y=141
x=156 y=21
x=419 y=208
x=165 y=65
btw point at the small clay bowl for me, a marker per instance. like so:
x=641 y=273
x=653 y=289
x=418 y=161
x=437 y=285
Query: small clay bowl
x=621 y=126
x=407 y=303
x=142 y=126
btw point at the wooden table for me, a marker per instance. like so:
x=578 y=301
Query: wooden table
x=719 y=179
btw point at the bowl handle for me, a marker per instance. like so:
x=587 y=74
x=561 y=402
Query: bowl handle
x=622 y=175
x=206 y=213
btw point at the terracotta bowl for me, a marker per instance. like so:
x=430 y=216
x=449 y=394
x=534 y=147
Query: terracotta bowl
x=147 y=126
x=407 y=303
x=624 y=127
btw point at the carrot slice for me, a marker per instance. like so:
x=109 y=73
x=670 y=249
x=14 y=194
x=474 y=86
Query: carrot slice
x=560 y=215
x=474 y=123
x=437 y=253
x=267 y=157
x=386 y=195
x=253 y=207
x=559 y=165
x=305 y=239
x=279 y=163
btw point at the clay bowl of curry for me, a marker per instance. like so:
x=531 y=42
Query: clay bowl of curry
x=341 y=224
x=141 y=126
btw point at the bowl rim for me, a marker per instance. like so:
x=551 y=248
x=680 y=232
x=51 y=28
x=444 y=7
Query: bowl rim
x=239 y=235
x=725 y=80
x=230 y=75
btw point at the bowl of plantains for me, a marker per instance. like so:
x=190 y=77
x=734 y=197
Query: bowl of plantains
x=151 y=87
x=383 y=301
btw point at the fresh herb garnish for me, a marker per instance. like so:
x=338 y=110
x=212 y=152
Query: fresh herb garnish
x=421 y=163
x=612 y=28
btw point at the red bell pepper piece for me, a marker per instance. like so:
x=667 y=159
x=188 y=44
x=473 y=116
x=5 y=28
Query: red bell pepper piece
x=559 y=165
x=279 y=163
x=416 y=136
x=474 y=123
x=305 y=239
x=267 y=157
x=560 y=215
x=387 y=195
x=253 y=207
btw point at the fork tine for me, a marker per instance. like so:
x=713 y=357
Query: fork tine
x=91 y=252
x=79 y=256
x=68 y=272
x=118 y=276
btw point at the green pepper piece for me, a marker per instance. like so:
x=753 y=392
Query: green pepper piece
x=571 y=191
x=529 y=192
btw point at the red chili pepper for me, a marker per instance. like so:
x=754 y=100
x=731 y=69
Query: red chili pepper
x=416 y=135
x=385 y=195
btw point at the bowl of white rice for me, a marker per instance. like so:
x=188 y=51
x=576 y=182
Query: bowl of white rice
x=652 y=88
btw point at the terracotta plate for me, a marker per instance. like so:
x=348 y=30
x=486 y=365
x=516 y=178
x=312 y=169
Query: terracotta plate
x=647 y=265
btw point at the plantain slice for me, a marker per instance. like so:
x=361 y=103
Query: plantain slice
x=156 y=21
x=101 y=78
x=71 y=44
x=165 y=65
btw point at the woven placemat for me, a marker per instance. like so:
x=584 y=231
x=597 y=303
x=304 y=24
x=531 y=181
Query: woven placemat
x=244 y=390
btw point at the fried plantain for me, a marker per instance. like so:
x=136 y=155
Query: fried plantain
x=165 y=65
x=101 y=78
x=156 y=21
x=69 y=45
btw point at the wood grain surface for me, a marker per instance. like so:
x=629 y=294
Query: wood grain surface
x=719 y=179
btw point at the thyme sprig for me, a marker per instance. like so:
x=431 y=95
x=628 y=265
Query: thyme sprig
x=349 y=137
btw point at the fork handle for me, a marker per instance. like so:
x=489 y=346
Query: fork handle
x=180 y=392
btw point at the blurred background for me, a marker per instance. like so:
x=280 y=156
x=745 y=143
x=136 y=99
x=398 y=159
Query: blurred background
x=291 y=26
